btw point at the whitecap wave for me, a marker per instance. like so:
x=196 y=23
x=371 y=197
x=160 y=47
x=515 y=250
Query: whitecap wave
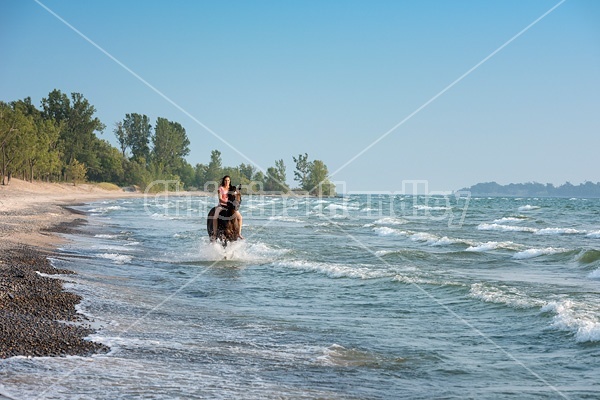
x=116 y=257
x=489 y=246
x=505 y=228
x=335 y=270
x=389 y=221
x=430 y=208
x=531 y=253
x=577 y=318
x=240 y=250
x=285 y=219
x=507 y=219
x=594 y=274
x=503 y=295
x=529 y=208
x=386 y=231
x=557 y=231
x=424 y=237
x=593 y=235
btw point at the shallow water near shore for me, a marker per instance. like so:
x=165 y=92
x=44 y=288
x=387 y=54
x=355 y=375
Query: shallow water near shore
x=367 y=296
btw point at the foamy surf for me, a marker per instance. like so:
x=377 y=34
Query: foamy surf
x=528 y=208
x=505 y=228
x=576 y=318
x=491 y=245
x=240 y=250
x=116 y=257
x=531 y=253
x=506 y=295
x=335 y=270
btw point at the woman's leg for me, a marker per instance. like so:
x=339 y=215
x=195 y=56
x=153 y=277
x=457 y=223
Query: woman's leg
x=239 y=218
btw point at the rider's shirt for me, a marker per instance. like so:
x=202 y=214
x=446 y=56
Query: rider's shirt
x=222 y=196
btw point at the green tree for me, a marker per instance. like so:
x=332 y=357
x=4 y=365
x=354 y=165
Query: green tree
x=78 y=125
x=275 y=179
x=187 y=174
x=301 y=174
x=171 y=145
x=214 y=171
x=200 y=171
x=247 y=171
x=119 y=132
x=318 y=179
x=258 y=182
x=76 y=116
x=110 y=168
x=41 y=150
x=136 y=173
x=76 y=172
x=15 y=128
x=135 y=135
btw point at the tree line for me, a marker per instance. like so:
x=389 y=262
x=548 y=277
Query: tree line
x=587 y=189
x=59 y=143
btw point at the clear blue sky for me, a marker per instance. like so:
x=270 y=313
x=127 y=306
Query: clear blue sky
x=279 y=78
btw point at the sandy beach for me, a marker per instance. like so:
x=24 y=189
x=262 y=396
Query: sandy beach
x=37 y=317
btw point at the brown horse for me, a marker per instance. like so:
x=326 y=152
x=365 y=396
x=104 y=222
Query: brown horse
x=227 y=225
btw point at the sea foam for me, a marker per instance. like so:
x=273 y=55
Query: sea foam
x=488 y=246
x=505 y=228
x=117 y=258
x=557 y=231
x=576 y=318
x=385 y=231
x=528 y=208
x=505 y=295
x=531 y=253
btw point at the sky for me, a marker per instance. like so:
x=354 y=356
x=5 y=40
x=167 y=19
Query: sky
x=451 y=93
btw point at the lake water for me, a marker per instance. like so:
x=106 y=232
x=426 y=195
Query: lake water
x=360 y=297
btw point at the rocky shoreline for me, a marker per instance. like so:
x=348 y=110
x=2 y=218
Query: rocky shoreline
x=37 y=316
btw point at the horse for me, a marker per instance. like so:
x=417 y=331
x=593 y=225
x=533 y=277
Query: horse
x=227 y=225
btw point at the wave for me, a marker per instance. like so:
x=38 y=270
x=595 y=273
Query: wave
x=335 y=270
x=116 y=257
x=489 y=246
x=343 y=207
x=503 y=295
x=430 y=208
x=106 y=236
x=237 y=251
x=390 y=221
x=104 y=210
x=557 y=231
x=423 y=280
x=528 y=208
x=594 y=274
x=508 y=219
x=385 y=231
x=531 y=253
x=589 y=256
x=505 y=228
x=285 y=219
x=339 y=356
x=594 y=235
x=576 y=318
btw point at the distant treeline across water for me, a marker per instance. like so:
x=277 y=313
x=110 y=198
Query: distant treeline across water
x=587 y=189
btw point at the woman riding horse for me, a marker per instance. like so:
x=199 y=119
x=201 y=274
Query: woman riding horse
x=225 y=221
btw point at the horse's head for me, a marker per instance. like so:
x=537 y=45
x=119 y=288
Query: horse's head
x=234 y=197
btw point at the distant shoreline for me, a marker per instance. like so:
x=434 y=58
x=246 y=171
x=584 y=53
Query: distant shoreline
x=533 y=189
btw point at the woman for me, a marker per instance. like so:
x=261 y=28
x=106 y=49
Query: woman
x=222 y=192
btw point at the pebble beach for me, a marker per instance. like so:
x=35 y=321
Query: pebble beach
x=37 y=316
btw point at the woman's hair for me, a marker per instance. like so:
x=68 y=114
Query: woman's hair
x=223 y=180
